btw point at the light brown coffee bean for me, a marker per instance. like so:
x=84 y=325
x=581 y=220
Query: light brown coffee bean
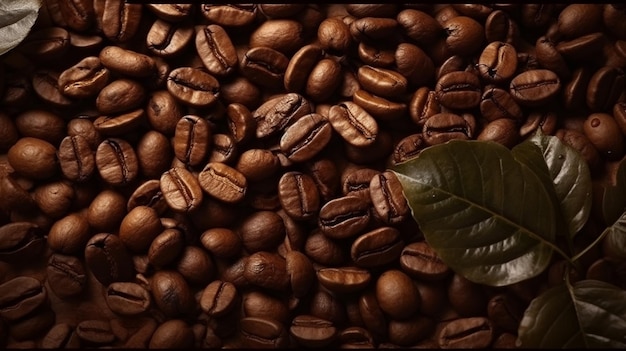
x=223 y=182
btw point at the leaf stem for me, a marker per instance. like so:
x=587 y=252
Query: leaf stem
x=590 y=246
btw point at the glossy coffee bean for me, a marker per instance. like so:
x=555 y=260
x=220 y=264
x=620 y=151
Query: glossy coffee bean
x=127 y=298
x=20 y=296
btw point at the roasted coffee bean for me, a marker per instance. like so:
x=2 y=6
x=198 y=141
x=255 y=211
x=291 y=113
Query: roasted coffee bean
x=84 y=79
x=193 y=87
x=16 y=198
x=171 y=12
x=458 y=90
x=223 y=182
x=377 y=247
x=300 y=67
x=388 y=198
x=413 y=63
x=61 y=335
x=372 y=315
x=264 y=66
x=174 y=333
x=396 y=294
x=356 y=338
x=33 y=158
x=216 y=50
x=20 y=296
x=66 y=275
x=298 y=195
x=283 y=35
x=603 y=132
x=116 y=161
x=54 y=199
x=344 y=217
x=306 y=137
x=372 y=28
x=379 y=107
x=355 y=125
x=278 y=113
x=76 y=159
x=121 y=95
x=106 y=211
x=127 y=298
x=497 y=103
x=181 y=189
x=257 y=164
x=167 y=39
x=33 y=326
x=604 y=89
x=95 y=332
x=262 y=231
x=381 y=81
x=419 y=260
x=466 y=297
x=473 y=332
x=171 y=293
x=108 y=259
x=263 y=332
x=195 y=265
x=310 y=331
x=166 y=247
x=408 y=148
x=344 y=280
x=221 y=242
x=118 y=20
x=410 y=331
x=46 y=44
x=258 y=304
x=224 y=149
x=502 y=130
x=139 y=228
x=444 y=126
x=535 y=87
x=230 y=15
x=267 y=270
x=218 y=298
x=118 y=124
x=20 y=241
x=498 y=62
x=423 y=104
x=69 y=234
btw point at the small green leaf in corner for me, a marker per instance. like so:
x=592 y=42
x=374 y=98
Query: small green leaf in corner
x=17 y=17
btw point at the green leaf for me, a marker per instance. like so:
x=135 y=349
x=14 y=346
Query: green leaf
x=616 y=237
x=568 y=173
x=17 y=17
x=589 y=314
x=614 y=196
x=486 y=215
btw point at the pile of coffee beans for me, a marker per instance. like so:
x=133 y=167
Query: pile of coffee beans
x=217 y=176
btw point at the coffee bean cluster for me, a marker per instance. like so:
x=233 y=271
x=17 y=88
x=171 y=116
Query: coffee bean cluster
x=217 y=176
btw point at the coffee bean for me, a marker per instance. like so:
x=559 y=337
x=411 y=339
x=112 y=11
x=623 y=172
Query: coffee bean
x=264 y=66
x=118 y=124
x=108 y=259
x=168 y=39
x=118 y=20
x=216 y=50
x=310 y=331
x=84 y=79
x=535 y=87
x=76 y=159
x=420 y=261
x=20 y=241
x=262 y=332
x=344 y=217
x=95 y=332
x=139 y=228
x=388 y=198
x=267 y=270
x=377 y=247
x=61 y=335
x=230 y=15
x=174 y=333
x=171 y=293
x=193 y=87
x=181 y=189
x=127 y=298
x=106 y=211
x=475 y=332
x=355 y=125
x=69 y=234
x=444 y=126
x=20 y=296
x=223 y=182
x=306 y=137
x=604 y=89
x=116 y=161
x=66 y=275
x=121 y=95
x=458 y=90
x=34 y=158
x=218 y=298
x=276 y=114
x=497 y=103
